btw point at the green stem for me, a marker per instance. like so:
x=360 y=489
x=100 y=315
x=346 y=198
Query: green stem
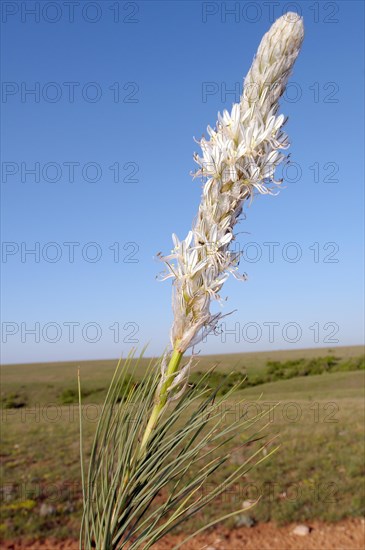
x=162 y=397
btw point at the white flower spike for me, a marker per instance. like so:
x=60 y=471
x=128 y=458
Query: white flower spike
x=239 y=158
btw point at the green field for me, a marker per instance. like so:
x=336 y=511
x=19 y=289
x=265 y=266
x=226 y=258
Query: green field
x=318 y=471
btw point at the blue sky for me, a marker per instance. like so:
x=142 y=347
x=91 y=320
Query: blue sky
x=119 y=91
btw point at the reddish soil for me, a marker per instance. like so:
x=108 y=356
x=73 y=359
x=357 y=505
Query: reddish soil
x=344 y=535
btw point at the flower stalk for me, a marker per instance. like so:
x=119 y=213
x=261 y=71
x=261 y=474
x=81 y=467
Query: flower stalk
x=239 y=158
x=162 y=397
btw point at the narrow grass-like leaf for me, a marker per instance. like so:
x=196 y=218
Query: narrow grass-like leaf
x=120 y=506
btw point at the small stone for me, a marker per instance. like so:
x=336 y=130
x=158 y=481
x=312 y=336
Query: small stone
x=243 y=520
x=301 y=530
x=248 y=503
x=46 y=510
